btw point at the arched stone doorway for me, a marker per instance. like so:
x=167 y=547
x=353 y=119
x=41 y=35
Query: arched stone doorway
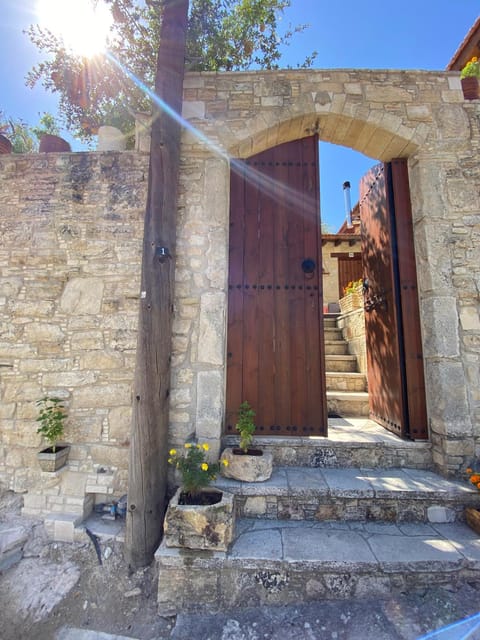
x=414 y=115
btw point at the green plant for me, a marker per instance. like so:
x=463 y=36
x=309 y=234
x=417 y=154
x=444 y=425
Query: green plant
x=353 y=286
x=471 y=69
x=194 y=468
x=52 y=418
x=245 y=425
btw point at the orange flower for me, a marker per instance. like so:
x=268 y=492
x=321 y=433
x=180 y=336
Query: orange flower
x=475 y=479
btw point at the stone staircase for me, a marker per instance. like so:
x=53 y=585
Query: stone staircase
x=328 y=526
x=346 y=386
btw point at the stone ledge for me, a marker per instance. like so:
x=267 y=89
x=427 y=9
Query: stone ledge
x=273 y=563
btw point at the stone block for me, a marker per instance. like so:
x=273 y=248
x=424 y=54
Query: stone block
x=250 y=467
x=439 y=514
x=200 y=526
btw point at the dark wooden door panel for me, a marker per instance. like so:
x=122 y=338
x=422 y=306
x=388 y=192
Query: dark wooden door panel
x=394 y=354
x=382 y=330
x=275 y=351
x=409 y=305
x=349 y=270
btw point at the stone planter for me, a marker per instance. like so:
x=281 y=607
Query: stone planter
x=200 y=526
x=53 y=144
x=50 y=461
x=254 y=466
x=5 y=144
x=470 y=88
x=351 y=301
x=472 y=517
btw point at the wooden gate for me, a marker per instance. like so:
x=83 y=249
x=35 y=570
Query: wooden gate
x=275 y=321
x=394 y=351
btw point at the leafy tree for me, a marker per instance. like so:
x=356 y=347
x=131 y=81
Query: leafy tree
x=223 y=35
x=24 y=138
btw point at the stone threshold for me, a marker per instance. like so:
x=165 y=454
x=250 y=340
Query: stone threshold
x=391 y=495
x=273 y=562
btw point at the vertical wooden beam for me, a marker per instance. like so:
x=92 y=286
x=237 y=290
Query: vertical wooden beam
x=148 y=446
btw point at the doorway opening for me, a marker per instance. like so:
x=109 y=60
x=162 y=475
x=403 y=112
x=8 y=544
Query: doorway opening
x=282 y=336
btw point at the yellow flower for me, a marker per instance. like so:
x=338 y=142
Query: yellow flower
x=188 y=445
x=205 y=447
x=199 y=446
x=474 y=59
x=225 y=462
x=204 y=466
x=173 y=452
x=170 y=461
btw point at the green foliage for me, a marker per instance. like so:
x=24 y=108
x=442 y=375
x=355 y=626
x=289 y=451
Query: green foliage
x=195 y=470
x=52 y=418
x=47 y=124
x=245 y=425
x=23 y=137
x=222 y=35
x=471 y=69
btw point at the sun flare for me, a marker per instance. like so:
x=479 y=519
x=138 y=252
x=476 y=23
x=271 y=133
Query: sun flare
x=81 y=25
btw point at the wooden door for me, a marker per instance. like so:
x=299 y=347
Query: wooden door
x=349 y=269
x=394 y=351
x=275 y=321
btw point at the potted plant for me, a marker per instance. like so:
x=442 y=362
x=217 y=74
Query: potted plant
x=245 y=462
x=352 y=296
x=47 y=133
x=469 y=76
x=52 y=416
x=198 y=517
x=472 y=515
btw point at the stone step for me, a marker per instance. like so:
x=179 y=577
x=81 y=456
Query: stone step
x=393 y=495
x=273 y=562
x=345 y=381
x=330 y=322
x=332 y=333
x=351 y=442
x=12 y=540
x=336 y=347
x=348 y=403
x=340 y=363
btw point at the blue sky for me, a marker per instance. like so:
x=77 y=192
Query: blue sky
x=413 y=34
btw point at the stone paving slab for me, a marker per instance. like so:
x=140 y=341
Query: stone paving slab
x=351 y=481
x=72 y=633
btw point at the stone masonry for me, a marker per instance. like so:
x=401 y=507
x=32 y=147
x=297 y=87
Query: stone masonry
x=71 y=227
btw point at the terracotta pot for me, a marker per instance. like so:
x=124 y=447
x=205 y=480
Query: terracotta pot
x=5 y=145
x=53 y=144
x=472 y=517
x=470 y=88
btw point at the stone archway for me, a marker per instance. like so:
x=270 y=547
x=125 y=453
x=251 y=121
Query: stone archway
x=383 y=114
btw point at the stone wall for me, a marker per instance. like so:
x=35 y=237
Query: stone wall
x=353 y=330
x=71 y=228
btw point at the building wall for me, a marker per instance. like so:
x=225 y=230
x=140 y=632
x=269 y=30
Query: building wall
x=71 y=227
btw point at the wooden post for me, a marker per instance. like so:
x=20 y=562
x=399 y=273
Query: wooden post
x=148 y=447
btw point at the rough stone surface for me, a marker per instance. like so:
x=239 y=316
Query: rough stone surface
x=249 y=468
x=71 y=230
x=200 y=527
